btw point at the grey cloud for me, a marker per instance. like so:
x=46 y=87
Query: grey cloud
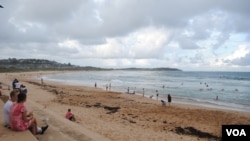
x=242 y=23
x=128 y=15
x=186 y=43
x=40 y=25
x=54 y=11
x=198 y=58
x=76 y=19
x=43 y=17
x=248 y=37
x=243 y=61
x=36 y=50
x=215 y=24
x=239 y=14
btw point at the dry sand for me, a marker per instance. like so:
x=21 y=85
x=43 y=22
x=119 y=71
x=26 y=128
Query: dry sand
x=103 y=115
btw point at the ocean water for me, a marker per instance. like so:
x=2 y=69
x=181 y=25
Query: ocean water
x=194 y=88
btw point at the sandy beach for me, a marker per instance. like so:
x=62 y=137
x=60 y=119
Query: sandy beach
x=106 y=115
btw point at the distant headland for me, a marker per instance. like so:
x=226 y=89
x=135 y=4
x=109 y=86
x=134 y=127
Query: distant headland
x=17 y=65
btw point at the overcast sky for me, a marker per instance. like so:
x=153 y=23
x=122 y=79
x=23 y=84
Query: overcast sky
x=199 y=35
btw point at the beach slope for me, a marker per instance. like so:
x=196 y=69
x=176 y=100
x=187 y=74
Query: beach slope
x=104 y=115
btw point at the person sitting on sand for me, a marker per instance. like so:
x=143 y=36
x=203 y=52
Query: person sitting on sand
x=14 y=83
x=21 y=120
x=17 y=84
x=7 y=105
x=70 y=116
x=23 y=89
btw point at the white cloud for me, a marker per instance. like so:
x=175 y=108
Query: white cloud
x=148 y=42
x=71 y=44
x=241 y=51
x=111 y=49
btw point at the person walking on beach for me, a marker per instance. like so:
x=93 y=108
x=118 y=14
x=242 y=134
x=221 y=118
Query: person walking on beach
x=95 y=85
x=169 y=99
x=107 y=87
x=41 y=80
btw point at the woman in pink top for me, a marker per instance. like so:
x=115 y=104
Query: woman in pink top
x=20 y=119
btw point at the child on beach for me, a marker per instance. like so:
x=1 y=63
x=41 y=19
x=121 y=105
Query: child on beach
x=70 y=116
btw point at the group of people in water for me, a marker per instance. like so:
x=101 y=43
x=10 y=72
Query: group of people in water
x=169 y=98
x=132 y=91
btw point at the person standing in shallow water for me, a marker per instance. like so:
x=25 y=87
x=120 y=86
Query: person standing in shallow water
x=109 y=86
x=143 y=92
x=157 y=94
x=169 y=99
